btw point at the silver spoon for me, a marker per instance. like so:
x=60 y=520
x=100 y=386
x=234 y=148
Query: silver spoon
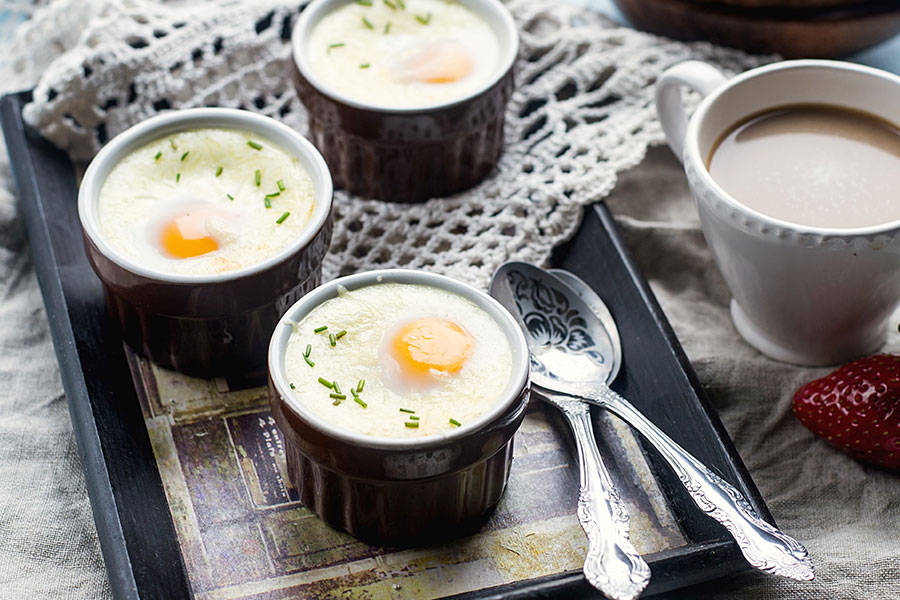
x=612 y=564
x=573 y=352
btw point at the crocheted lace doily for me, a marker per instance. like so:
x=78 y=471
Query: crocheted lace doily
x=582 y=112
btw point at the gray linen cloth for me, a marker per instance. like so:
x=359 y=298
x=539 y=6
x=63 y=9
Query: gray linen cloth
x=847 y=514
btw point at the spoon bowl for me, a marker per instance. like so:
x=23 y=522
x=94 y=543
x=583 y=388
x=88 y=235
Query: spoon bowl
x=599 y=309
x=568 y=341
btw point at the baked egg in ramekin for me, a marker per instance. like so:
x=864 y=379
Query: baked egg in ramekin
x=398 y=393
x=204 y=225
x=406 y=99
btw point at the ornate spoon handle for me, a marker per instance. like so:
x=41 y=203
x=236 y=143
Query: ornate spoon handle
x=612 y=565
x=765 y=547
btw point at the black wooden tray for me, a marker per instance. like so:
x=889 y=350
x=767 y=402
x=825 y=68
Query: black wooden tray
x=134 y=523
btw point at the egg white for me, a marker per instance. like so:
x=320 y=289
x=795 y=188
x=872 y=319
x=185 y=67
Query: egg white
x=143 y=191
x=367 y=314
x=383 y=81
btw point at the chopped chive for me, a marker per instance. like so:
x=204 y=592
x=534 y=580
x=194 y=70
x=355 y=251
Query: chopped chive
x=254 y=145
x=309 y=361
x=340 y=334
x=360 y=385
x=257 y=176
x=184 y=156
x=387 y=28
x=280 y=184
x=413 y=418
x=268 y=202
x=354 y=392
x=401 y=4
x=367 y=23
x=338 y=45
x=412 y=424
x=219 y=170
x=325 y=382
x=359 y=401
x=273 y=195
x=455 y=422
x=293 y=387
x=337 y=396
x=336 y=402
x=172 y=143
x=365 y=66
x=320 y=329
x=336 y=387
x=390 y=4
x=406 y=410
x=177 y=177
x=332 y=340
x=230 y=197
x=364 y=2
x=158 y=156
x=308 y=350
x=424 y=20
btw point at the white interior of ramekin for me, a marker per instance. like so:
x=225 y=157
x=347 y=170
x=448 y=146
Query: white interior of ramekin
x=277 y=347
x=492 y=11
x=196 y=118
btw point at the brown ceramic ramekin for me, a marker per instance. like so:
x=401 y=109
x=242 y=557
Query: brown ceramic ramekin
x=206 y=325
x=408 y=154
x=399 y=491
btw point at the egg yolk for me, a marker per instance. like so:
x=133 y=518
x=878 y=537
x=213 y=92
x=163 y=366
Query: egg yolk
x=439 y=62
x=185 y=236
x=425 y=345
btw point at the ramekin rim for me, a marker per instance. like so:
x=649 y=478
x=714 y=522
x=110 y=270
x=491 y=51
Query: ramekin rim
x=182 y=120
x=312 y=10
x=692 y=149
x=519 y=378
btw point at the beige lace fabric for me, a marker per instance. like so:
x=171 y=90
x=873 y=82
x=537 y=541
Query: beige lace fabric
x=582 y=113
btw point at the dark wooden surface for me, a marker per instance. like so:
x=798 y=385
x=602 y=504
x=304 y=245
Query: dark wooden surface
x=133 y=520
x=885 y=55
x=791 y=32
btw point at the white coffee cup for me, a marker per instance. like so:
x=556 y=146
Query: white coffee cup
x=805 y=295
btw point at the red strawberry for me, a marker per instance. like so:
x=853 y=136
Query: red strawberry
x=857 y=409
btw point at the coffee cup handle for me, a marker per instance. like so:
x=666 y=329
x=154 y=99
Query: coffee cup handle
x=700 y=77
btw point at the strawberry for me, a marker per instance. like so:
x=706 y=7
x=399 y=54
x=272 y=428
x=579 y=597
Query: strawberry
x=857 y=409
